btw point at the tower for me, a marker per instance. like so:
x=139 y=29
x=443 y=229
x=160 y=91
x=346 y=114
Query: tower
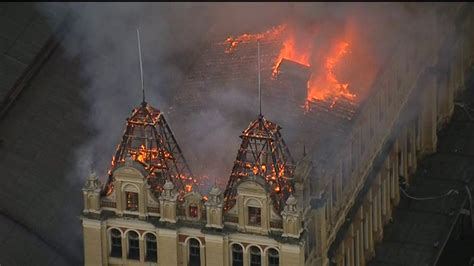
x=263 y=152
x=148 y=140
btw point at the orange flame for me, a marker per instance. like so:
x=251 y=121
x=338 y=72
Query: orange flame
x=323 y=83
x=290 y=52
x=188 y=188
x=233 y=42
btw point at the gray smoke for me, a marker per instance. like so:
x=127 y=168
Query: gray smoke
x=103 y=38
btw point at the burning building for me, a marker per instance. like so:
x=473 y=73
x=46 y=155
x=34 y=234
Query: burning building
x=357 y=138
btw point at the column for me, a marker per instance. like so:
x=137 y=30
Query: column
x=168 y=247
x=357 y=248
x=93 y=251
x=428 y=116
x=371 y=230
x=291 y=255
x=404 y=157
x=214 y=251
x=141 y=245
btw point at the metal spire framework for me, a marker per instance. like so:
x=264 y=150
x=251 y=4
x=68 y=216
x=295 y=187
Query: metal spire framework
x=149 y=140
x=263 y=152
x=141 y=66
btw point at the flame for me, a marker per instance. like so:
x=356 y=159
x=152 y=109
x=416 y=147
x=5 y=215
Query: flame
x=290 y=52
x=188 y=188
x=255 y=169
x=141 y=155
x=151 y=159
x=324 y=84
x=232 y=42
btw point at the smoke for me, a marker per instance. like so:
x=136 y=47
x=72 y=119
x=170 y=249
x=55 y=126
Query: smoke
x=174 y=35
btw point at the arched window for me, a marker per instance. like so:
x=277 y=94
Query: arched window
x=254 y=216
x=132 y=201
x=194 y=253
x=237 y=255
x=115 y=243
x=193 y=210
x=273 y=257
x=133 y=246
x=255 y=256
x=151 y=248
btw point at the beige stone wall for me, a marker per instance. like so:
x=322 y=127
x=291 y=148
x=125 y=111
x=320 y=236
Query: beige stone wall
x=167 y=247
x=93 y=242
x=215 y=251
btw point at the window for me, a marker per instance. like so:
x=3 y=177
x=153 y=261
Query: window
x=237 y=255
x=133 y=246
x=194 y=253
x=132 y=201
x=193 y=211
x=273 y=257
x=254 y=216
x=255 y=256
x=116 y=243
x=151 y=248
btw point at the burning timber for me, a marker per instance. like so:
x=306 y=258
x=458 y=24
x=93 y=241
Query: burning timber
x=327 y=206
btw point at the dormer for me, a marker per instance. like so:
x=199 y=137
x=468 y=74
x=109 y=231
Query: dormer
x=131 y=189
x=193 y=206
x=254 y=206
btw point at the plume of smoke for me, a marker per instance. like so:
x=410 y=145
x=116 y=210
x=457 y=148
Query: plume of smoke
x=172 y=36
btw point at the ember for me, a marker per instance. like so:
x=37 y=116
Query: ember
x=233 y=42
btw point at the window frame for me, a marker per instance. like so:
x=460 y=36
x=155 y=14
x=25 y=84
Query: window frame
x=195 y=213
x=149 y=251
x=233 y=262
x=136 y=205
x=135 y=255
x=251 y=263
x=253 y=211
x=269 y=257
x=115 y=250
x=194 y=244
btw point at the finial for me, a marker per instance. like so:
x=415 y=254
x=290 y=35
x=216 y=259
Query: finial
x=259 y=88
x=92 y=175
x=141 y=68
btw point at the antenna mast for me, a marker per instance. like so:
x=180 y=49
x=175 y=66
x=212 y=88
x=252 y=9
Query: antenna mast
x=141 y=66
x=259 y=89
